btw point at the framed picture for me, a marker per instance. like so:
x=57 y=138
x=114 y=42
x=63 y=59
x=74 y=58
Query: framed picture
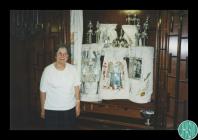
x=136 y=70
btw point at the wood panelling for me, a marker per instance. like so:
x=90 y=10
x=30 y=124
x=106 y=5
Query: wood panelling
x=185 y=26
x=30 y=54
x=20 y=106
x=183 y=70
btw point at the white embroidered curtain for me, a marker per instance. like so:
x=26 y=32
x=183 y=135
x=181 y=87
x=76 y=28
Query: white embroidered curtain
x=76 y=29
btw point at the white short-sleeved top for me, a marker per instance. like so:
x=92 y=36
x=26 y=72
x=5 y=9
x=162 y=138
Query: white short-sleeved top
x=59 y=87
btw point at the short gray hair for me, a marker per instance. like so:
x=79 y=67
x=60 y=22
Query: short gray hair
x=57 y=47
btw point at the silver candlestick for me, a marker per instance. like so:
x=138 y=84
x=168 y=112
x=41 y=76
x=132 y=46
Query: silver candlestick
x=144 y=37
x=97 y=32
x=146 y=24
x=135 y=20
x=138 y=34
x=128 y=19
x=90 y=33
x=144 y=33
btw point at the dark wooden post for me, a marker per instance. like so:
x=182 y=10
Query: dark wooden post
x=187 y=67
x=170 y=63
x=157 y=51
x=177 y=83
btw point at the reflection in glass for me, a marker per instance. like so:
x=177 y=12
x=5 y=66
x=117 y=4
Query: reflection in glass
x=173 y=46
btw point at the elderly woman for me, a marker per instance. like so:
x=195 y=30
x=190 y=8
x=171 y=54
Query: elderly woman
x=60 y=92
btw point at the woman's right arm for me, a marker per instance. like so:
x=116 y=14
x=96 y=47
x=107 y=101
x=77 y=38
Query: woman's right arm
x=42 y=98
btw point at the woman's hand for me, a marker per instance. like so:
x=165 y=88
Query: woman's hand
x=77 y=109
x=42 y=114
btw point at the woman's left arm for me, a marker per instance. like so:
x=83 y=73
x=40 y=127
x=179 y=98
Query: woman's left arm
x=77 y=94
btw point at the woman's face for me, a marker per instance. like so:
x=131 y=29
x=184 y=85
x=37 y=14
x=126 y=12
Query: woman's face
x=62 y=55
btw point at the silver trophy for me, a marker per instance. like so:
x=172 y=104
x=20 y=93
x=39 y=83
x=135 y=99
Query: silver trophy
x=146 y=24
x=129 y=19
x=144 y=37
x=147 y=114
x=144 y=33
x=135 y=19
x=138 y=34
x=90 y=33
x=97 y=32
